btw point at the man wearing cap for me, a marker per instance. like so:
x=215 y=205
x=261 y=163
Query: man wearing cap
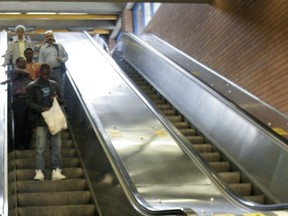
x=17 y=46
x=55 y=55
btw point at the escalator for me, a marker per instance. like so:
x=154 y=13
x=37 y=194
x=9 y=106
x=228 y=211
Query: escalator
x=67 y=197
x=226 y=137
x=72 y=196
x=236 y=181
x=88 y=170
x=122 y=157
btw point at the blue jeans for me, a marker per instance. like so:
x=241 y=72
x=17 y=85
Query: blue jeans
x=43 y=137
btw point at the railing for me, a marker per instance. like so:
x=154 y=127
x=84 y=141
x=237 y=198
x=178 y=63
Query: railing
x=3 y=132
x=263 y=112
x=241 y=138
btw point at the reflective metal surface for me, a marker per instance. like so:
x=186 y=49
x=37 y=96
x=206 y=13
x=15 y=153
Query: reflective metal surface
x=259 y=155
x=3 y=131
x=151 y=167
x=266 y=114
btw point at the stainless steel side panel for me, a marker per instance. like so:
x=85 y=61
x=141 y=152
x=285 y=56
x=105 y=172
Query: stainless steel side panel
x=160 y=175
x=260 y=110
x=261 y=157
x=3 y=131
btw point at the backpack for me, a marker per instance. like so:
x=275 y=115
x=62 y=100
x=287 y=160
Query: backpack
x=63 y=66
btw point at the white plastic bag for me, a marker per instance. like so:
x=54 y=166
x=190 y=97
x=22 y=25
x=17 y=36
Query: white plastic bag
x=55 y=118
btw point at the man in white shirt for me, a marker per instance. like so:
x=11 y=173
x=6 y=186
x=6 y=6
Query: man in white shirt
x=17 y=46
x=55 y=55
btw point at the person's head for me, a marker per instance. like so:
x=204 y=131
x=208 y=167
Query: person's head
x=28 y=53
x=49 y=37
x=20 y=30
x=44 y=71
x=21 y=62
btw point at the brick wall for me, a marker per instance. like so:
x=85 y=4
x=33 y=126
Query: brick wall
x=244 y=40
x=127 y=21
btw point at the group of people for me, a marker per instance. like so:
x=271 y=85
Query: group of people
x=34 y=85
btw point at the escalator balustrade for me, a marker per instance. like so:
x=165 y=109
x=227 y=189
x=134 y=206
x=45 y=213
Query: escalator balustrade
x=236 y=181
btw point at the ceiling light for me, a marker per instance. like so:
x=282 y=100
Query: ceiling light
x=41 y=13
x=64 y=13
x=8 y=13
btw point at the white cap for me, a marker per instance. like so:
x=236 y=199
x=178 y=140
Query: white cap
x=20 y=27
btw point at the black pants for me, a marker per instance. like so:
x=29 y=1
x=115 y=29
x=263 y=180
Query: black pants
x=22 y=128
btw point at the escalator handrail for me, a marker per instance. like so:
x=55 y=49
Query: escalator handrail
x=254 y=206
x=186 y=146
x=3 y=132
x=263 y=112
x=134 y=197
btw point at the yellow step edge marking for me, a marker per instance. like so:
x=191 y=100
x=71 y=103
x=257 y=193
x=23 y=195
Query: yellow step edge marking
x=280 y=131
x=254 y=214
x=280 y=213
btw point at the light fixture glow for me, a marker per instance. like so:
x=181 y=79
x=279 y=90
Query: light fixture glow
x=10 y=13
x=41 y=13
x=65 y=13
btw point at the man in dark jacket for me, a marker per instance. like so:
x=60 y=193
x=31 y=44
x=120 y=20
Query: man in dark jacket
x=40 y=97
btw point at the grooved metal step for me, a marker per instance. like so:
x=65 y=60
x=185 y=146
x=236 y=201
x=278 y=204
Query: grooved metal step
x=69 y=210
x=31 y=186
x=68 y=197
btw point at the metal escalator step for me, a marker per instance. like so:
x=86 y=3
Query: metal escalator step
x=11 y=155
x=51 y=186
x=67 y=143
x=230 y=177
x=24 y=154
x=168 y=112
x=211 y=156
x=203 y=147
x=158 y=101
x=164 y=106
x=65 y=134
x=11 y=188
x=75 y=210
x=144 y=86
x=29 y=163
x=182 y=125
x=244 y=189
x=188 y=131
x=222 y=166
x=153 y=96
x=147 y=91
x=136 y=78
x=11 y=176
x=66 y=198
x=12 y=200
x=260 y=199
x=71 y=173
x=195 y=139
x=175 y=118
x=54 y=198
x=66 y=152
